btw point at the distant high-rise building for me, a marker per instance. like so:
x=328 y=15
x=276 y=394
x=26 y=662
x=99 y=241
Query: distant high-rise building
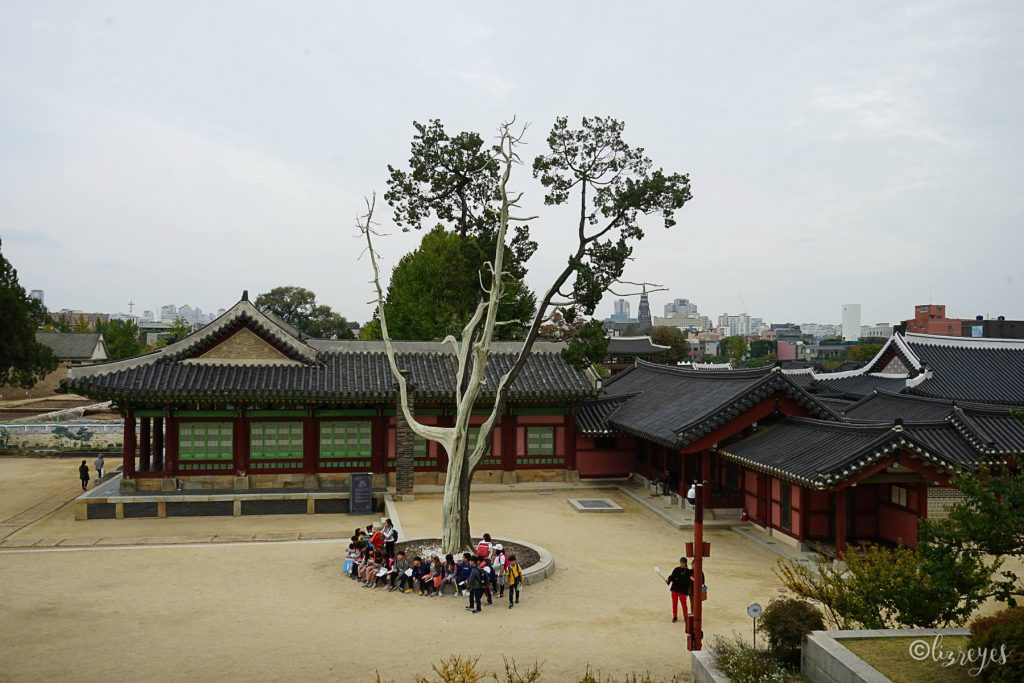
x=681 y=307
x=741 y=324
x=37 y=294
x=620 y=310
x=851 y=322
x=168 y=313
x=147 y=317
x=643 y=315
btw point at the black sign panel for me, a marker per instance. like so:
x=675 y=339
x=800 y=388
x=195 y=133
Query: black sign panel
x=360 y=494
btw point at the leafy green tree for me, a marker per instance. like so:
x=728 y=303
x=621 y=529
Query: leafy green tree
x=297 y=306
x=178 y=330
x=81 y=325
x=764 y=349
x=587 y=346
x=435 y=289
x=891 y=588
x=989 y=520
x=122 y=337
x=735 y=348
x=455 y=181
x=674 y=338
x=23 y=360
x=863 y=351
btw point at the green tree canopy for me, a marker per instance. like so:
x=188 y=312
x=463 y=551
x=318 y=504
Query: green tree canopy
x=764 y=349
x=864 y=351
x=676 y=339
x=23 y=360
x=122 y=337
x=297 y=306
x=735 y=348
x=435 y=288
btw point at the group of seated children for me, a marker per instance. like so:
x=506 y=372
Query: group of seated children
x=374 y=562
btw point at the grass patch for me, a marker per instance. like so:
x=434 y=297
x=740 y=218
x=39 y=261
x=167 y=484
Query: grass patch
x=891 y=656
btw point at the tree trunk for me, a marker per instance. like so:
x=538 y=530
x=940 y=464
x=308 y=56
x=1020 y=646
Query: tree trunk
x=454 y=516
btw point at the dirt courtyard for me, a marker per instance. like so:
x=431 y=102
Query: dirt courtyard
x=276 y=611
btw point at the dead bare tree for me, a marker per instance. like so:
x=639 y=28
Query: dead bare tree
x=622 y=187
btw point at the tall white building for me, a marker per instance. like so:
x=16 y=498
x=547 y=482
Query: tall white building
x=851 y=322
x=741 y=324
x=168 y=313
x=620 y=309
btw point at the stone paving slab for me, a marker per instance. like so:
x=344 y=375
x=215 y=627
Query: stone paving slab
x=232 y=538
x=315 y=535
x=7 y=530
x=47 y=542
x=18 y=543
x=174 y=540
x=123 y=540
x=78 y=542
x=277 y=536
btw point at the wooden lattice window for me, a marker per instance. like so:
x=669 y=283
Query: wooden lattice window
x=540 y=447
x=205 y=446
x=275 y=441
x=346 y=443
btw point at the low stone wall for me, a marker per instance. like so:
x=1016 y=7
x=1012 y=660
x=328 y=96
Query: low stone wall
x=825 y=660
x=704 y=669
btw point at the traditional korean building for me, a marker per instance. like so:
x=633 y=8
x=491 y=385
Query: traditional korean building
x=820 y=469
x=248 y=402
x=624 y=351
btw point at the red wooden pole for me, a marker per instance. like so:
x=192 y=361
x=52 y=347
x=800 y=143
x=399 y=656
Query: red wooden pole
x=144 y=445
x=128 y=449
x=696 y=629
x=158 y=444
x=840 y=521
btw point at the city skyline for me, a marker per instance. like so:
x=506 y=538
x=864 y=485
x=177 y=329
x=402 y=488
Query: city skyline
x=872 y=168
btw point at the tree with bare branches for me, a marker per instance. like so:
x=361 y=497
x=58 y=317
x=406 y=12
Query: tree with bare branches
x=615 y=185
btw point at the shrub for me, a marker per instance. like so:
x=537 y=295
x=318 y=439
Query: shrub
x=742 y=663
x=1001 y=632
x=785 y=622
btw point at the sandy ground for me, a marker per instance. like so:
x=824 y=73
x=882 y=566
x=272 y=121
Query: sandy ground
x=27 y=481
x=283 y=611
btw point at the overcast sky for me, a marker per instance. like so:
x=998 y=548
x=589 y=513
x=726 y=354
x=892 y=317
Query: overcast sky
x=854 y=152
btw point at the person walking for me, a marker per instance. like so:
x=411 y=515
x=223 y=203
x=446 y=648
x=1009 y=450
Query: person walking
x=514 y=579
x=476 y=583
x=680 y=582
x=83 y=474
x=100 y=466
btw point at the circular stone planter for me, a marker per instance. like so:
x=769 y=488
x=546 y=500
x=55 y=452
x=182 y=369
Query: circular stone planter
x=540 y=569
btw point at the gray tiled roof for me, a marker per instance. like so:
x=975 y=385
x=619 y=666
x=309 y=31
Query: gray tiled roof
x=675 y=406
x=337 y=377
x=592 y=416
x=857 y=386
x=823 y=454
x=634 y=346
x=70 y=345
x=971 y=370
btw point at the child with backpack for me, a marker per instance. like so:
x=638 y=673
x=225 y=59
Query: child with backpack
x=397 y=574
x=514 y=577
x=500 y=568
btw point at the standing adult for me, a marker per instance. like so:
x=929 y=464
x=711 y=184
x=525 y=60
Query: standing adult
x=476 y=584
x=100 y=466
x=390 y=537
x=680 y=582
x=83 y=474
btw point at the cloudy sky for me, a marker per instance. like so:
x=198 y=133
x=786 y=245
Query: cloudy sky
x=866 y=152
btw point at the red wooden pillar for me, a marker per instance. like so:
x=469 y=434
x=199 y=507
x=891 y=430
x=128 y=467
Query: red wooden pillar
x=841 y=521
x=805 y=504
x=240 y=444
x=705 y=476
x=922 y=500
x=145 y=444
x=570 y=442
x=509 y=427
x=764 y=492
x=310 y=443
x=158 y=444
x=379 y=444
x=128 y=449
x=171 y=451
